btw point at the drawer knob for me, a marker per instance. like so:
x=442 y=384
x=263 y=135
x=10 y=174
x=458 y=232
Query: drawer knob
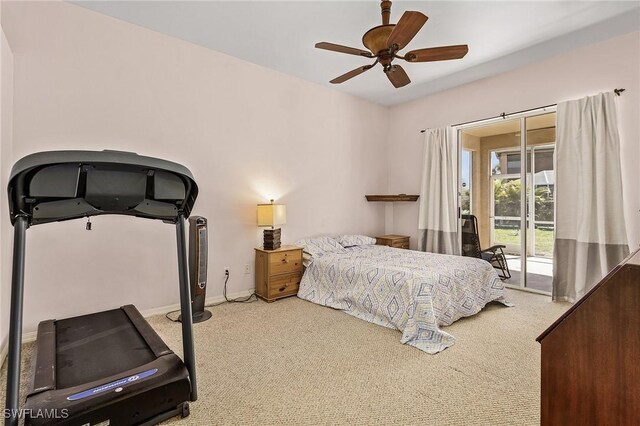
x=285 y=260
x=283 y=288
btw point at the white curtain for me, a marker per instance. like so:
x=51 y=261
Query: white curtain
x=591 y=237
x=438 y=220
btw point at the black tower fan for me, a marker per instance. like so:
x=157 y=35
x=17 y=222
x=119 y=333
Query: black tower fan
x=198 y=253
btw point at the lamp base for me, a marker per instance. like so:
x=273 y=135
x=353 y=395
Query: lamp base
x=271 y=239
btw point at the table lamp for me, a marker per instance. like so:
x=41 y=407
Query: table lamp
x=271 y=215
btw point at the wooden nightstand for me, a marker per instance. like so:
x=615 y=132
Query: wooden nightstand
x=397 y=241
x=278 y=272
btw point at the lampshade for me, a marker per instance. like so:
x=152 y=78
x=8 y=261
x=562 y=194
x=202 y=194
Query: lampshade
x=272 y=214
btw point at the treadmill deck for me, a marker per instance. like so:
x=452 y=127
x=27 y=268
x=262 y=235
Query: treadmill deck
x=98 y=345
x=108 y=365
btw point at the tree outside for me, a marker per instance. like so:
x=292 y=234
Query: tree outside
x=465 y=201
x=507 y=204
x=507 y=200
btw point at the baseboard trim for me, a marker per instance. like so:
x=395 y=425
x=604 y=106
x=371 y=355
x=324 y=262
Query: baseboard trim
x=162 y=310
x=26 y=338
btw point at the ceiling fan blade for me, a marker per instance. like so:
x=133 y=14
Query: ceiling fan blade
x=343 y=49
x=397 y=76
x=406 y=28
x=443 y=53
x=346 y=76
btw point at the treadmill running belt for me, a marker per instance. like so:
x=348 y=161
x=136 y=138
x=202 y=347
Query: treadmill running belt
x=95 y=346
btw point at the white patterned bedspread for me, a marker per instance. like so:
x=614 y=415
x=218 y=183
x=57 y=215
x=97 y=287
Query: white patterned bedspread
x=411 y=291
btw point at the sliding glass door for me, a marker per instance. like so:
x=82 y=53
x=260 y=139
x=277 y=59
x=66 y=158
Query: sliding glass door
x=512 y=199
x=505 y=218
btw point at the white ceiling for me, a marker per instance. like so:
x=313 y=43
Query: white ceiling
x=501 y=35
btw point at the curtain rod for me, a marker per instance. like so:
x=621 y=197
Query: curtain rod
x=505 y=115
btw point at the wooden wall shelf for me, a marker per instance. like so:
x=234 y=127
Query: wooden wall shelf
x=392 y=198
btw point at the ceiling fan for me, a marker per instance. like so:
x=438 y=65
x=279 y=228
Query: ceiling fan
x=386 y=40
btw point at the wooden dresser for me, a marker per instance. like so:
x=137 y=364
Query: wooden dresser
x=591 y=355
x=397 y=241
x=278 y=272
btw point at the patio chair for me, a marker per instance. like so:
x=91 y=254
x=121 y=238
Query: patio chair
x=471 y=247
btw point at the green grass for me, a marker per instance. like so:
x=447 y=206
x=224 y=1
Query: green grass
x=544 y=240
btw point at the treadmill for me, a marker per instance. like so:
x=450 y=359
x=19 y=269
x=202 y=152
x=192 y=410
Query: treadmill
x=108 y=367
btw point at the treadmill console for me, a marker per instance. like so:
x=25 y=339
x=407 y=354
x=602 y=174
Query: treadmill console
x=62 y=185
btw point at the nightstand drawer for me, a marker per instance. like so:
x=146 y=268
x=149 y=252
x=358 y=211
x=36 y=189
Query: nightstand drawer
x=284 y=285
x=403 y=244
x=285 y=261
x=397 y=241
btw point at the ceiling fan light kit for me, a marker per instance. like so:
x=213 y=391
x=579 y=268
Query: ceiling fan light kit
x=376 y=38
x=384 y=42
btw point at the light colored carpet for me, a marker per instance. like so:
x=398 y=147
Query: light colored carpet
x=293 y=362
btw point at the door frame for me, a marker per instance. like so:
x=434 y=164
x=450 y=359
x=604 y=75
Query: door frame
x=532 y=196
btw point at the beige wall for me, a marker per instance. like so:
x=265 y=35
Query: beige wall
x=595 y=68
x=6 y=132
x=87 y=81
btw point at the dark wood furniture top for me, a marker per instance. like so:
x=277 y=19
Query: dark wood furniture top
x=591 y=355
x=393 y=240
x=392 y=198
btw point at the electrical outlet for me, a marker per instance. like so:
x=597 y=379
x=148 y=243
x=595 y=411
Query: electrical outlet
x=227 y=271
x=247 y=269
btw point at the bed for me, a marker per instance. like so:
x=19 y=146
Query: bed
x=411 y=291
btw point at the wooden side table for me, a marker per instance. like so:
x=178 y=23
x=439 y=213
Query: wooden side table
x=397 y=241
x=278 y=272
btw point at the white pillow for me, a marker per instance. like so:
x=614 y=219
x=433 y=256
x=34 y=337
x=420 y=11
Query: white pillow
x=356 y=240
x=319 y=246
